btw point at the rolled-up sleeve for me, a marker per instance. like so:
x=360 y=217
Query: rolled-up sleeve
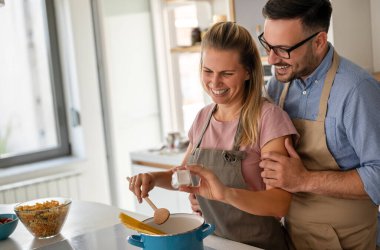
x=362 y=121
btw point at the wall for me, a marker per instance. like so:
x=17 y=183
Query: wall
x=351 y=20
x=375 y=16
x=82 y=91
x=248 y=13
x=131 y=88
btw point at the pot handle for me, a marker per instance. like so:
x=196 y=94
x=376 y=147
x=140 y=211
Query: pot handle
x=206 y=230
x=135 y=240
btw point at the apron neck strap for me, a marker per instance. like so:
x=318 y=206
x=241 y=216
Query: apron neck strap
x=283 y=95
x=327 y=87
x=237 y=134
x=205 y=126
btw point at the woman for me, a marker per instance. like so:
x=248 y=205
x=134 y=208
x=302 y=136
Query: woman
x=227 y=138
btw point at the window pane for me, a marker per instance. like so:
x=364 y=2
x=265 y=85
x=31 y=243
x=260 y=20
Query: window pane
x=185 y=21
x=193 y=95
x=188 y=16
x=28 y=122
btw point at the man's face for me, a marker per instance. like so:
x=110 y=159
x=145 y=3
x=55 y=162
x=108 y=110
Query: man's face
x=286 y=33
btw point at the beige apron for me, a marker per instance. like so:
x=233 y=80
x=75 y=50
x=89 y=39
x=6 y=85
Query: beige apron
x=232 y=223
x=322 y=222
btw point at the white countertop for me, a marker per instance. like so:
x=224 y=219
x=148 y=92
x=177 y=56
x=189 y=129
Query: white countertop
x=92 y=225
x=163 y=157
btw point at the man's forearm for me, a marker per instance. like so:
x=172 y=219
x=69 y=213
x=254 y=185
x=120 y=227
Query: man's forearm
x=341 y=184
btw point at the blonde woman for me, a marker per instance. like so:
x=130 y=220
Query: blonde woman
x=227 y=139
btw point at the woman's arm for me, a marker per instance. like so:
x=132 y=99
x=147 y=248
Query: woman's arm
x=271 y=202
x=142 y=183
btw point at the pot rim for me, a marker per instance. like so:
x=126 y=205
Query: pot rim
x=165 y=235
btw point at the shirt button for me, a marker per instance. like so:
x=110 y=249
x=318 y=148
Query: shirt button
x=304 y=92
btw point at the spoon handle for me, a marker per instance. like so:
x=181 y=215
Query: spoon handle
x=150 y=203
x=146 y=199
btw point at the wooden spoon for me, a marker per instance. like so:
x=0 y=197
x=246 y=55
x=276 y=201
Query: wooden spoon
x=161 y=215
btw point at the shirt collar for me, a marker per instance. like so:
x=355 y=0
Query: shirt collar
x=321 y=71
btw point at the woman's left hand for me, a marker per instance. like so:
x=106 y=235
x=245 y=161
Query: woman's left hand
x=210 y=187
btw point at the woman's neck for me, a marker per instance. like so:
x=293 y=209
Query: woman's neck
x=226 y=113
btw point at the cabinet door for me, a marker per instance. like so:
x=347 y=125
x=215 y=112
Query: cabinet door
x=175 y=201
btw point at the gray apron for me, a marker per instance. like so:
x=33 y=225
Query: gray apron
x=232 y=223
x=325 y=222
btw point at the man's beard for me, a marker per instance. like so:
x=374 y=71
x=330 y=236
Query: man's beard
x=307 y=67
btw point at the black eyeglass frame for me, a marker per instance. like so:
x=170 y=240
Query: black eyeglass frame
x=269 y=47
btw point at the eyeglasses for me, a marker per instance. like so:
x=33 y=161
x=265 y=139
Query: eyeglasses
x=281 y=51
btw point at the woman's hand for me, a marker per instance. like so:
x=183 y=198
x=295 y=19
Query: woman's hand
x=210 y=187
x=141 y=184
x=195 y=204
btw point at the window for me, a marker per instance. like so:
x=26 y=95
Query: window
x=183 y=18
x=33 y=123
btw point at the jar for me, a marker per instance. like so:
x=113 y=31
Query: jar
x=195 y=36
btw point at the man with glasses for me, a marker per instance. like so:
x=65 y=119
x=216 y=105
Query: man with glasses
x=334 y=104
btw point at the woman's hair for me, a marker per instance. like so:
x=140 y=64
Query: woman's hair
x=314 y=14
x=233 y=37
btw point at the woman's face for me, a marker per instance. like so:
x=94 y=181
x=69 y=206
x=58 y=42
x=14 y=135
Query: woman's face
x=223 y=76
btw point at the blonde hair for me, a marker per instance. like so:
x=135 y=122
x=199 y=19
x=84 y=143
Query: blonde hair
x=231 y=36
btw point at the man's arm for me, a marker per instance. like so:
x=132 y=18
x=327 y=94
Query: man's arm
x=290 y=174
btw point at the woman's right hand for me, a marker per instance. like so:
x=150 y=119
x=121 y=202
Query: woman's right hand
x=141 y=184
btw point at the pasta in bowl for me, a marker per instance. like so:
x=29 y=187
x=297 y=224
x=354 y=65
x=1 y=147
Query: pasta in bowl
x=43 y=218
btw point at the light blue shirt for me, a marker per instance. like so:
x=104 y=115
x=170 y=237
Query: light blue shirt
x=352 y=121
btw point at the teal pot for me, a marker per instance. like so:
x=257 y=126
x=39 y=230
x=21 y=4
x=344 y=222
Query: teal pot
x=183 y=231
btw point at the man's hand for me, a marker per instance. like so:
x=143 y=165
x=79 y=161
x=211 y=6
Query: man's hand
x=282 y=171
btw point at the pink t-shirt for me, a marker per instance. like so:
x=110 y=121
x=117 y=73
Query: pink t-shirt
x=274 y=123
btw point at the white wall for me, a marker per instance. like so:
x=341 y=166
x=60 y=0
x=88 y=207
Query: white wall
x=131 y=87
x=82 y=90
x=352 y=32
x=375 y=16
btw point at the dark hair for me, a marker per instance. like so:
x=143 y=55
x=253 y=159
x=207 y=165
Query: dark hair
x=314 y=14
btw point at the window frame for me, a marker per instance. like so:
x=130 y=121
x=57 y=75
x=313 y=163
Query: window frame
x=63 y=148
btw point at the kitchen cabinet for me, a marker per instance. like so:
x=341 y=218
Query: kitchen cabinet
x=146 y=161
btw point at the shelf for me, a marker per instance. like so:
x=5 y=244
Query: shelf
x=189 y=49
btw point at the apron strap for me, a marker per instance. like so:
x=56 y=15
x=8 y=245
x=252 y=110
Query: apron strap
x=284 y=92
x=327 y=87
x=204 y=127
x=325 y=91
x=237 y=136
x=236 y=145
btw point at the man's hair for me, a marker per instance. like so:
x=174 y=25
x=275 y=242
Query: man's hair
x=314 y=14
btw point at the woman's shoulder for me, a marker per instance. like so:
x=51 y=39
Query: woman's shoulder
x=269 y=106
x=205 y=111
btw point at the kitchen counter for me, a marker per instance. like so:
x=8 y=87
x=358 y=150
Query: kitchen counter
x=158 y=158
x=92 y=225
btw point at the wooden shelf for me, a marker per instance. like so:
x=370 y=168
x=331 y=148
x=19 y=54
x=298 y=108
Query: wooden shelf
x=189 y=49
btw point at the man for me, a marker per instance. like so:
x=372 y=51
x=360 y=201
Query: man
x=334 y=104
